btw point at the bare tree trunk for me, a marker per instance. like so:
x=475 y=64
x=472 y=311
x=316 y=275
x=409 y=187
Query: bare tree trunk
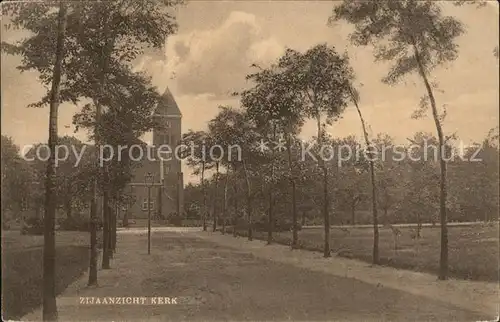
x=270 y=215
x=106 y=51
x=106 y=232
x=93 y=232
x=224 y=205
x=295 y=234
x=114 y=224
x=375 y=253
x=249 y=202
x=235 y=217
x=326 y=214
x=95 y=192
x=270 y=219
x=105 y=56
x=160 y=203
x=49 y=245
x=178 y=199
x=443 y=263
x=214 y=228
x=112 y=213
x=69 y=208
x=203 y=188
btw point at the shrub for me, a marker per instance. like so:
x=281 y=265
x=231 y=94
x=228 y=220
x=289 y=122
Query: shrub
x=175 y=220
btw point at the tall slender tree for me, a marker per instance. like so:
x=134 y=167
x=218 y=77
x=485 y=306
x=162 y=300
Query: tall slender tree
x=197 y=159
x=416 y=37
x=49 y=246
x=276 y=107
x=235 y=131
x=322 y=77
x=375 y=253
x=51 y=27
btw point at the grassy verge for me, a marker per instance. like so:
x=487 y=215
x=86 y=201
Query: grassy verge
x=22 y=277
x=473 y=251
x=22 y=260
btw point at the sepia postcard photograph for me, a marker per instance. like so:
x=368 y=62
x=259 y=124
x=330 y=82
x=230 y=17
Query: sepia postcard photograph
x=248 y=160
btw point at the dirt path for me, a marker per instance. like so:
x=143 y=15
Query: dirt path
x=213 y=282
x=478 y=296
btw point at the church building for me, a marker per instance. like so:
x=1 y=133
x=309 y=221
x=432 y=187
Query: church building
x=167 y=192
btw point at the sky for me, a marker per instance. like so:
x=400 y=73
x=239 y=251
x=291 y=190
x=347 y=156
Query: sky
x=217 y=41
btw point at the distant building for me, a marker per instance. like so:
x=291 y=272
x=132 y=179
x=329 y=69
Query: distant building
x=168 y=198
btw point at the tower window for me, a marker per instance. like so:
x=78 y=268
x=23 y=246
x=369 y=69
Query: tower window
x=24 y=204
x=168 y=124
x=164 y=138
x=145 y=204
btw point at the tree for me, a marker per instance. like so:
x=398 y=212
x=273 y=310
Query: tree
x=235 y=129
x=103 y=38
x=322 y=78
x=216 y=149
x=73 y=180
x=388 y=176
x=308 y=197
x=130 y=100
x=375 y=253
x=193 y=197
x=17 y=180
x=417 y=38
x=421 y=197
x=219 y=139
x=49 y=246
x=276 y=108
x=52 y=65
x=474 y=181
x=478 y=4
x=351 y=175
x=196 y=159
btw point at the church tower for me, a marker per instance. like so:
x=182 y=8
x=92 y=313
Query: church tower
x=169 y=117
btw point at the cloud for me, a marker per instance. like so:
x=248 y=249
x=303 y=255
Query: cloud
x=213 y=61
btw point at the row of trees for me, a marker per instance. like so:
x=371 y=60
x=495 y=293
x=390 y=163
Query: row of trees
x=407 y=190
x=319 y=84
x=84 y=52
x=24 y=173
x=22 y=183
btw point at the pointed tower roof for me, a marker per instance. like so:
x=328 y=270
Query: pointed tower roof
x=167 y=105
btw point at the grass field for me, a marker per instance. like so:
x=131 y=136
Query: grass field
x=473 y=250
x=22 y=258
